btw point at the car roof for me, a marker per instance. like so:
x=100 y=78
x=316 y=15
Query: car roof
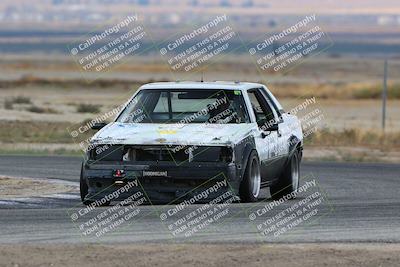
x=226 y=85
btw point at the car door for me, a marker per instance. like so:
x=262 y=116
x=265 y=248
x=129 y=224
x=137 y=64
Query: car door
x=284 y=127
x=267 y=142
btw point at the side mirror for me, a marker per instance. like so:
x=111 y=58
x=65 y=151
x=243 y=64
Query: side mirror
x=98 y=125
x=273 y=127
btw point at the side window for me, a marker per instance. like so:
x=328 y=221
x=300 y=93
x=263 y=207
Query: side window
x=256 y=106
x=262 y=110
x=272 y=102
x=271 y=105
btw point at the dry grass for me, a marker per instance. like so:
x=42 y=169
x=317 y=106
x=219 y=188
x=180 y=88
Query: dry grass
x=33 y=81
x=335 y=91
x=355 y=138
x=35 y=132
x=354 y=90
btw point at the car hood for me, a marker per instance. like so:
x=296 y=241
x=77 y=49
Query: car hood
x=174 y=134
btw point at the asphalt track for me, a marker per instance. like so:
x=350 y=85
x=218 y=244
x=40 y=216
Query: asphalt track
x=360 y=203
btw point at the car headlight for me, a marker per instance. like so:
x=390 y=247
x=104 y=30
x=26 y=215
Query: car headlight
x=226 y=154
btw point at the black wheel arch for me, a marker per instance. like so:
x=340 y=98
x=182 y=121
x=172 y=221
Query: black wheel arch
x=242 y=153
x=295 y=145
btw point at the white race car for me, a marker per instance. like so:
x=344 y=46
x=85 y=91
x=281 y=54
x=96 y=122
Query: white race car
x=175 y=136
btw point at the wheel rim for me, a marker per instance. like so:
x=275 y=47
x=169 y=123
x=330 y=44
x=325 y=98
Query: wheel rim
x=295 y=174
x=255 y=178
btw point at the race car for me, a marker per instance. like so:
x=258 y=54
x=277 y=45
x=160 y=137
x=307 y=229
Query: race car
x=173 y=138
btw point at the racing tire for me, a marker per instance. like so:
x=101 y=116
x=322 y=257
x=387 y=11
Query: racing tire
x=289 y=181
x=251 y=183
x=83 y=188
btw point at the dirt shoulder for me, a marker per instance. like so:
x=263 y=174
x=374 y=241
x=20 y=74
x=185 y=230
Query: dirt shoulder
x=201 y=255
x=20 y=187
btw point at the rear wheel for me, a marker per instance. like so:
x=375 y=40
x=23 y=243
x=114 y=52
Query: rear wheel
x=289 y=180
x=251 y=184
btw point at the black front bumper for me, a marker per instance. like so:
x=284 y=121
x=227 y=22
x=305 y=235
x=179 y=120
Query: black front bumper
x=177 y=182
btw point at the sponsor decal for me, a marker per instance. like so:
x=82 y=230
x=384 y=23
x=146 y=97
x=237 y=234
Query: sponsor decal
x=155 y=173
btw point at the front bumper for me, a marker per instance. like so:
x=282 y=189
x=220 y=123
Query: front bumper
x=161 y=182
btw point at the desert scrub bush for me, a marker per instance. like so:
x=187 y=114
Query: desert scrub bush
x=88 y=108
x=367 y=93
x=372 y=91
x=37 y=109
x=9 y=102
x=21 y=100
x=394 y=91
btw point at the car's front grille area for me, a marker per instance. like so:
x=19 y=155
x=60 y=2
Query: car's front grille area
x=163 y=153
x=106 y=152
x=158 y=154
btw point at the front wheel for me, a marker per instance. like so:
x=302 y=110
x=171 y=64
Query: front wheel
x=83 y=188
x=289 y=180
x=251 y=184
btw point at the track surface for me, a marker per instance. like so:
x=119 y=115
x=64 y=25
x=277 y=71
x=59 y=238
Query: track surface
x=361 y=204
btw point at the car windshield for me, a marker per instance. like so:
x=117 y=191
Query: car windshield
x=185 y=106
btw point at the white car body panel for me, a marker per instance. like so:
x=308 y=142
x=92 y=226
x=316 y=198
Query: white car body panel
x=275 y=144
x=173 y=134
